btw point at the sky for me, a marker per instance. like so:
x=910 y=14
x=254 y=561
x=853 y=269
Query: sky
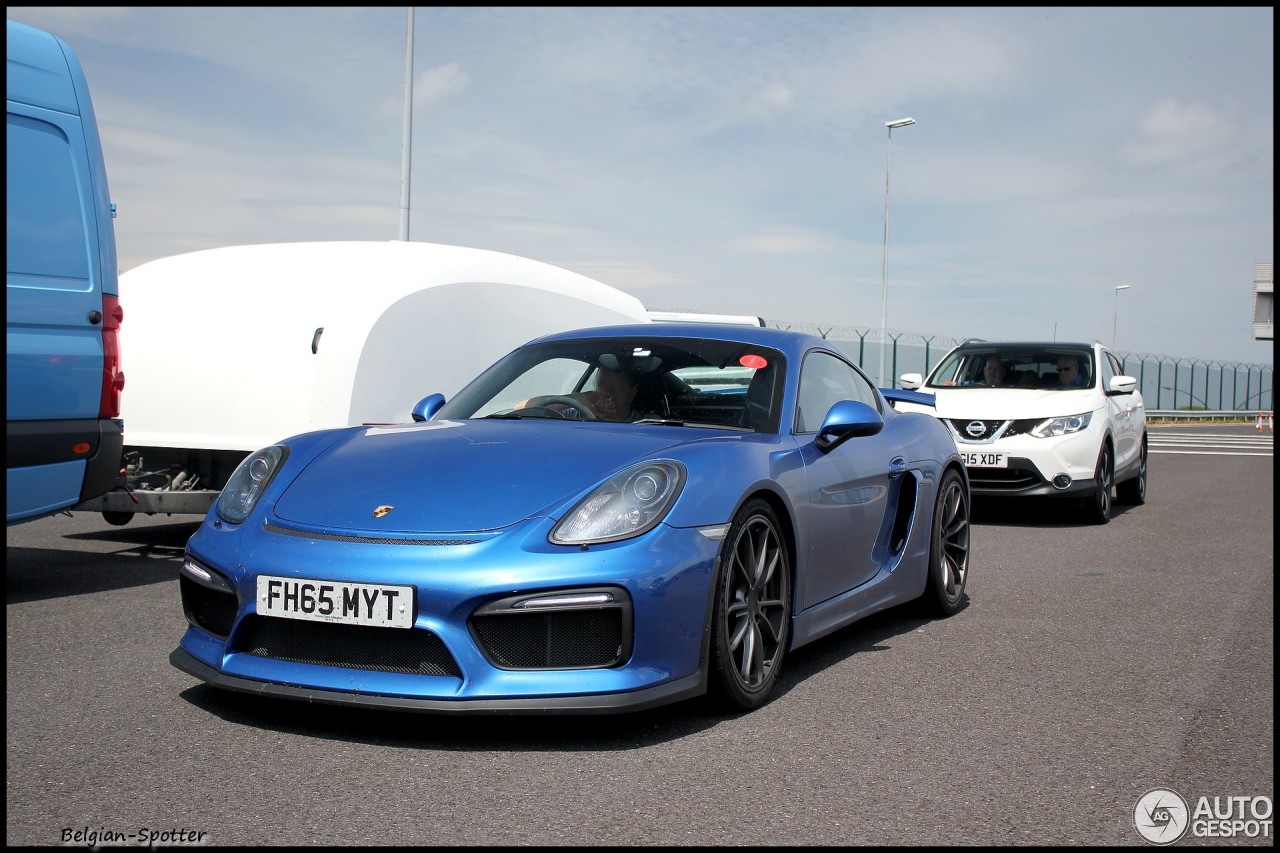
x=730 y=159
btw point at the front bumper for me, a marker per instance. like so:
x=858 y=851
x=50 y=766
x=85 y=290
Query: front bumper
x=1034 y=462
x=1023 y=479
x=639 y=700
x=666 y=575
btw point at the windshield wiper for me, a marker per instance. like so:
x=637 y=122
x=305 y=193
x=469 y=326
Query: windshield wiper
x=662 y=421
x=693 y=424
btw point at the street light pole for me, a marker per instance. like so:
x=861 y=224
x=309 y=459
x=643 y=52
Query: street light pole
x=884 y=262
x=1115 y=312
x=406 y=138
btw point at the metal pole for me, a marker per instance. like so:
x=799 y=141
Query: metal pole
x=405 y=147
x=1115 y=313
x=884 y=261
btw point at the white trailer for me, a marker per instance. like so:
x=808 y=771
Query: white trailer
x=233 y=349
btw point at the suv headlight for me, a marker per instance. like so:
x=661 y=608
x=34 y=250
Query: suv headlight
x=628 y=504
x=248 y=482
x=1062 y=426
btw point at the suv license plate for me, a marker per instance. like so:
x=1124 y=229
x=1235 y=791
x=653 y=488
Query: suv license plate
x=986 y=460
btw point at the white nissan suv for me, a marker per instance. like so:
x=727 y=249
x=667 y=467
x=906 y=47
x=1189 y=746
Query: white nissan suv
x=1034 y=418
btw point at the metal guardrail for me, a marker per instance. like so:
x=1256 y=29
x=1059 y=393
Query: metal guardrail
x=1203 y=415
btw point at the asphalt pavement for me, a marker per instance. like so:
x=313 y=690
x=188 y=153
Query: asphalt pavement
x=1092 y=665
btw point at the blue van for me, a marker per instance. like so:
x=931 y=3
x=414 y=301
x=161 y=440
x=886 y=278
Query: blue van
x=62 y=371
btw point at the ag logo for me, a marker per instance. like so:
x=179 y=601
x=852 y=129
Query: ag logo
x=1161 y=816
x=382 y=510
x=975 y=428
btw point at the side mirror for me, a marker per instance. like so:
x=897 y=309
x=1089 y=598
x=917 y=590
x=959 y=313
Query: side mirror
x=911 y=381
x=1121 y=385
x=845 y=420
x=427 y=407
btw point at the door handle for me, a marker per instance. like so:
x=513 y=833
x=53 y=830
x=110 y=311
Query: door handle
x=897 y=467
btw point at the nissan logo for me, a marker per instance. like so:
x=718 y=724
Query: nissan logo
x=975 y=428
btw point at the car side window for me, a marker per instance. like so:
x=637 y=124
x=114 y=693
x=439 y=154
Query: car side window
x=1116 y=365
x=1109 y=370
x=864 y=391
x=824 y=381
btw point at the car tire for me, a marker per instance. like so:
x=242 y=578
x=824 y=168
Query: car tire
x=118 y=518
x=1133 y=492
x=751 y=617
x=1097 y=507
x=948 y=549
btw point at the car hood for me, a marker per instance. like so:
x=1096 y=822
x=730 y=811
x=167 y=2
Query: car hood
x=459 y=476
x=1008 y=404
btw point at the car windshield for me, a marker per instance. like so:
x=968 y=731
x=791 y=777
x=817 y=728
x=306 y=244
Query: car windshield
x=1044 y=367
x=675 y=381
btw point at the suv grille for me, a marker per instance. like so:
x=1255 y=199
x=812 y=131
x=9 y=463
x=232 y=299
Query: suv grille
x=1015 y=478
x=1021 y=427
x=962 y=427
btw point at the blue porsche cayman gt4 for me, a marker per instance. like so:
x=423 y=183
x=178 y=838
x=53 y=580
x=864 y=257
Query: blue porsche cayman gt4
x=605 y=520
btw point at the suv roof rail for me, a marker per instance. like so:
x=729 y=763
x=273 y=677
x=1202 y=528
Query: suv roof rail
x=973 y=341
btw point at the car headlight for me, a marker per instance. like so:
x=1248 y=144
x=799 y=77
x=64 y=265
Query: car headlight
x=248 y=482
x=1062 y=426
x=628 y=504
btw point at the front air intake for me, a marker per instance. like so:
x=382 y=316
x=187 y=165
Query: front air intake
x=580 y=629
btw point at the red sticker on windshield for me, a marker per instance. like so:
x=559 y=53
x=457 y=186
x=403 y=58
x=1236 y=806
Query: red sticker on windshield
x=753 y=361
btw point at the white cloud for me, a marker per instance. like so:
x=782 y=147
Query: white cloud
x=1173 y=132
x=436 y=84
x=786 y=241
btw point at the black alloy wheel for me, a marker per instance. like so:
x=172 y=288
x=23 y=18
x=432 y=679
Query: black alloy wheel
x=752 y=613
x=949 y=551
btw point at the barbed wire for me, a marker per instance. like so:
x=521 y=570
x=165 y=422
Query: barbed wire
x=872 y=334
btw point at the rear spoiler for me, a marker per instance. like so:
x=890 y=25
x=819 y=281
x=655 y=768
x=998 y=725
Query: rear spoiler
x=902 y=395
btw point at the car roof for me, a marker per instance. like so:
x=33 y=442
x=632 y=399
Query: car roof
x=1028 y=344
x=789 y=342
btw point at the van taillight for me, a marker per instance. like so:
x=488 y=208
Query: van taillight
x=112 y=375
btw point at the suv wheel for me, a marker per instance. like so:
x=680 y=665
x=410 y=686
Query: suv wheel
x=1097 y=507
x=1134 y=492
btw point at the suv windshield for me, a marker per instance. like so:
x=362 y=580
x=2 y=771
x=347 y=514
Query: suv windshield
x=1043 y=366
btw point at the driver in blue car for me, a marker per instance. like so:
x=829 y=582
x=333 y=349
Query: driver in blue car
x=611 y=400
